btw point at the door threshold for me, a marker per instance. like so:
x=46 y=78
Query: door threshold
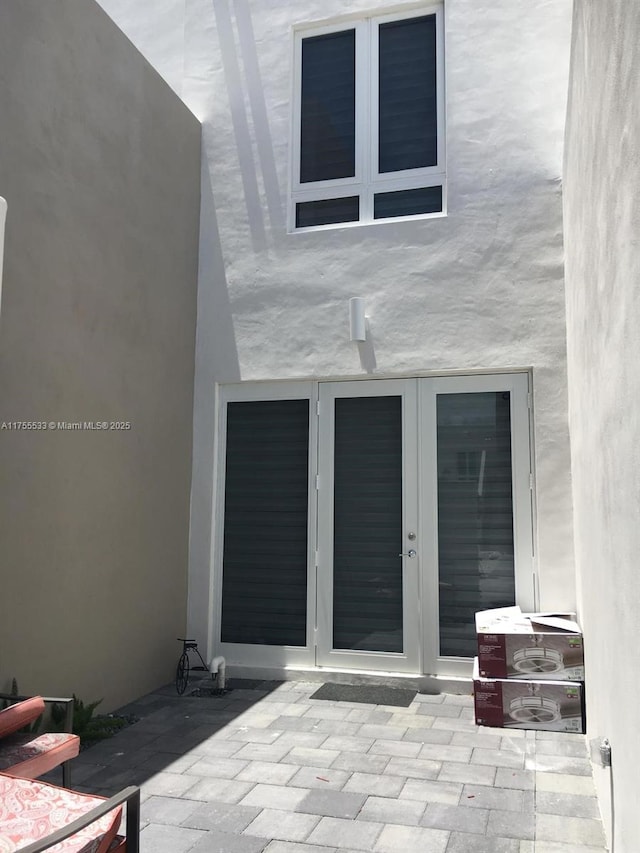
x=420 y=683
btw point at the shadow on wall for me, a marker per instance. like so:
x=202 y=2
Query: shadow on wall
x=367 y=351
x=216 y=358
x=218 y=351
x=239 y=118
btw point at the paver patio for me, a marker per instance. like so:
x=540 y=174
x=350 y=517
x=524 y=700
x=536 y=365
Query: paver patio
x=270 y=770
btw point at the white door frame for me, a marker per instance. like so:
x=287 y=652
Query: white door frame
x=259 y=655
x=409 y=659
x=517 y=386
x=421 y=639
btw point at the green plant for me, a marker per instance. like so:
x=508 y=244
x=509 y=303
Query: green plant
x=82 y=715
x=87 y=726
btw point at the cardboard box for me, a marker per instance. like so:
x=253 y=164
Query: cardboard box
x=552 y=706
x=529 y=646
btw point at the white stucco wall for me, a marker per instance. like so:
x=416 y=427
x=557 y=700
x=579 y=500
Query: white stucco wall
x=603 y=318
x=481 y=288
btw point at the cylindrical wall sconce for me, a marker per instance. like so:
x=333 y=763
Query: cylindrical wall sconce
x=357 y=319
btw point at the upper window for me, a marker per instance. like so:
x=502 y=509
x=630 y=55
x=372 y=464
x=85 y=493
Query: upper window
x=368 y=141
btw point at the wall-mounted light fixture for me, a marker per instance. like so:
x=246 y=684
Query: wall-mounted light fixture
x=357 y=319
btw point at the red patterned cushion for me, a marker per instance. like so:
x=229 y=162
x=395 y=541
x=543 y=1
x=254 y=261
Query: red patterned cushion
x=32 y=810
x=17 y=716
x=32 y=756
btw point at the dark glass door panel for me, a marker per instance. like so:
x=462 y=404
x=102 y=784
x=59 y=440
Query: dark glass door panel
x=475 y=513
x=264 y=589
x=367 y=569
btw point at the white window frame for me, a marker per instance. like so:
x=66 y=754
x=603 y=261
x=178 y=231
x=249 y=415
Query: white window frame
x=367 y=180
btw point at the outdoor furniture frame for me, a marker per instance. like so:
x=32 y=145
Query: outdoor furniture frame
x=34 y=754
x=129 y=843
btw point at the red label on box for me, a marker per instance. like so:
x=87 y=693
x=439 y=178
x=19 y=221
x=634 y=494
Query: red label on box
x=492 y=655
x=487 y=697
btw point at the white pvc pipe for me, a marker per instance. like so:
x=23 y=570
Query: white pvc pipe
x=219 y=665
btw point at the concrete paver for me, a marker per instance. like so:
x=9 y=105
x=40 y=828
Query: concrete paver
x=509 y=825
x=572 y=805
x=282 y=825
x=356 y=762
x=510 y=778
x=220 y=816
x=328 y=803
x=431 y=792
x=573 y=830
x=275 y=796
x=389 y=810
x=270 y=770
x=369 y=783
x=395 y=838
x=458 y=818
x=426 y=736
x=320 y=777
x=296 y=847
x=170 y=810
x=223 y=842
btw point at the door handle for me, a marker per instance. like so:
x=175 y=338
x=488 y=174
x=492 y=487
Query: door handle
x=410 y=553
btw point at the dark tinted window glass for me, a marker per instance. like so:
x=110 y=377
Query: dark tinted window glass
x=475 y=515
x=328 y=116
x=264 y=586
x=408 y=98
x=407 y=202
x=367 y=580
x=327 y=211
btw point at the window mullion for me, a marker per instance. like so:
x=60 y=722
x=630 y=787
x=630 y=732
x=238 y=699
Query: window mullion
x=440 y=89
x=296 y=117
x=362 y=115
x=374 y=95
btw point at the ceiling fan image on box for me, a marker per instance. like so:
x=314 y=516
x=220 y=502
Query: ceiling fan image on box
x=552 y=705
x=534 y=709
x=538 y=660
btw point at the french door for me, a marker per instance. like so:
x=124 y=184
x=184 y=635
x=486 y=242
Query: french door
x=476 y=509
x=368 y=583
x=365 y=522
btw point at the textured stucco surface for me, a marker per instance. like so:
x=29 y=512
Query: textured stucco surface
x=602 y=187
x=100 y=164
x=481 y=288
